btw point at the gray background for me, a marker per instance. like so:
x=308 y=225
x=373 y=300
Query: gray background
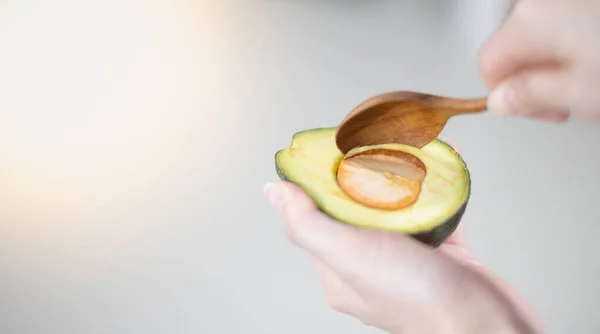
x=136 y=136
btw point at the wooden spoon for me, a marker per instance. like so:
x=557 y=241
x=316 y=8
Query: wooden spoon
x=402 y=117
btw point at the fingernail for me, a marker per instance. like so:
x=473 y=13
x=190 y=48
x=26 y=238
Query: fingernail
x=503 y=101
x=276 y=194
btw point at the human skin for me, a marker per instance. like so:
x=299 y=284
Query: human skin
x=395 y=283
x=543 y=62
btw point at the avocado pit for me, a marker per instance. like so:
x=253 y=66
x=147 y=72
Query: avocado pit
x=382 y=178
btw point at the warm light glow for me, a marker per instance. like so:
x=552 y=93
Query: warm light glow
x=104 y=105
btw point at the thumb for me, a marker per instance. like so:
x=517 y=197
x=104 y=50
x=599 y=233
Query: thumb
x=339 y=246
x=308 y=227
x=540 y=93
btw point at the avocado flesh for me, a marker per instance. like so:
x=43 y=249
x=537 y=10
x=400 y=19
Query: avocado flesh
x=311 y=163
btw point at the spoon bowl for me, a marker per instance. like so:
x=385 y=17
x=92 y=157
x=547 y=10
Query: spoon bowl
x=401 y=117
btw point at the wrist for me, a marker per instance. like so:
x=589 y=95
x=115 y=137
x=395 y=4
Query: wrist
x=488 y=310
x=494 y=320
x=474 y=305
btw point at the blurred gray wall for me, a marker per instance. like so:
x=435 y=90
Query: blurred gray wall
x=135 y=138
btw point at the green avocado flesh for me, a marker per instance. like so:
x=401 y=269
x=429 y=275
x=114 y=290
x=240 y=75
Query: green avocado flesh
x=311 y=163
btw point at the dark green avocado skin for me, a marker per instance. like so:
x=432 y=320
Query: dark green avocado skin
x=443 y=231
x=434 y=237
x=280 y=171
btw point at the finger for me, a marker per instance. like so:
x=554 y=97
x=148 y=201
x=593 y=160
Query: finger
x=343 y=248
x=535 y=93
x=324 y=238
x=338 y=294
x=458 y=237
x=460 y=254
x=527 y=39
x=511 y=7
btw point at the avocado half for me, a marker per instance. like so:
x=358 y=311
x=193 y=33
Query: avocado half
x=311 y=162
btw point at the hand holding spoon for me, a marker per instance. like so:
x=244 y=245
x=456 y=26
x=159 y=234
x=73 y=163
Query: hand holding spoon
x=401 y=117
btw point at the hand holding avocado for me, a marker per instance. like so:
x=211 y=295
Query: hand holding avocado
x=394 y=281
x=406 y=270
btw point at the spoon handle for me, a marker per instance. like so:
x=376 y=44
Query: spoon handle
x=464 y=106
